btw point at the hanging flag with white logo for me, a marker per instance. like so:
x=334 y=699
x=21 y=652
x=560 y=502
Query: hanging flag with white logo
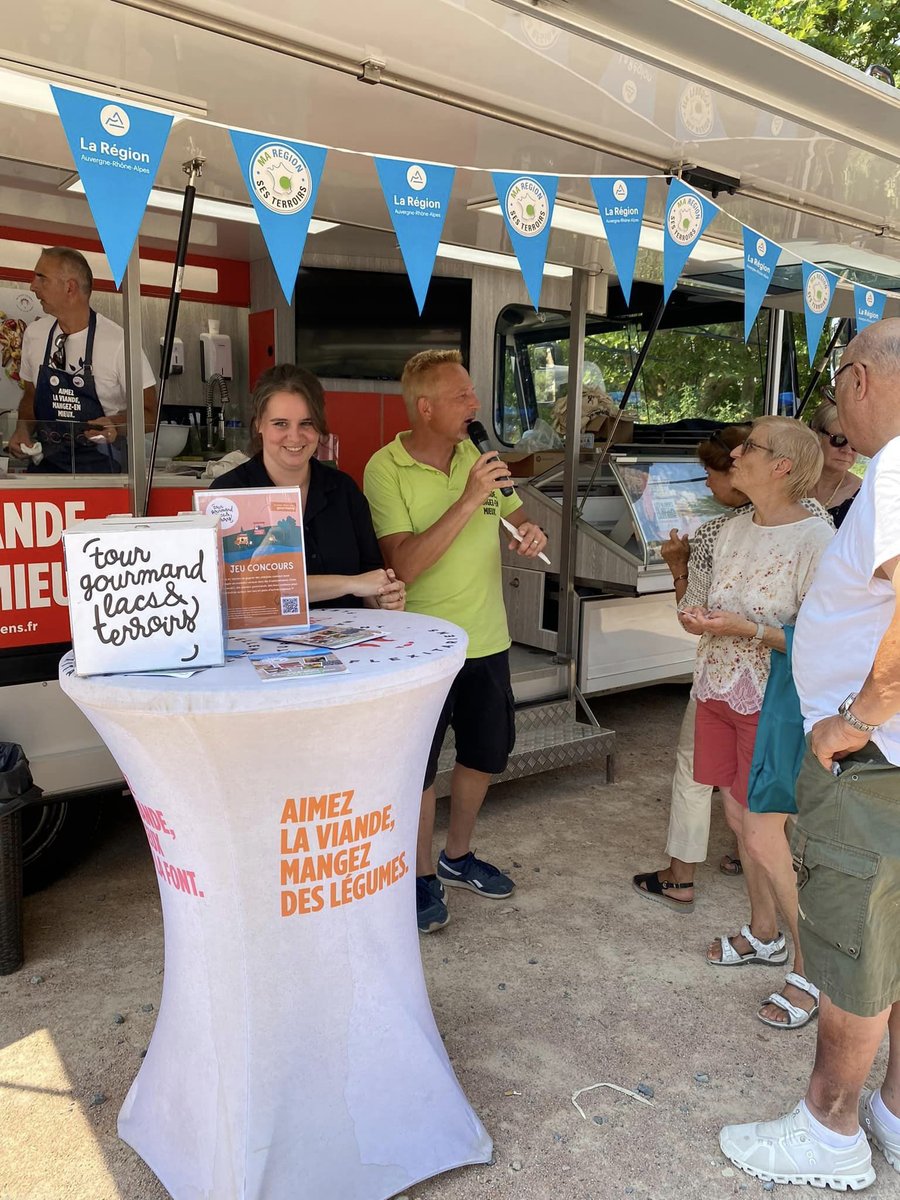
x=117 y=150
x=527 y=205
x=868 y=305
x=282 y=178
x=687 y=216
x=760 y=260
x=417 y=196
x=818 y=293
x=621 y=205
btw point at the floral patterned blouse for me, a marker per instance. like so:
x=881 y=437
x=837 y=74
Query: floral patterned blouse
x=762 y=572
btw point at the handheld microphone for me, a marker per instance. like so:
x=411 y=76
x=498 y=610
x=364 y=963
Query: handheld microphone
x=478 y=434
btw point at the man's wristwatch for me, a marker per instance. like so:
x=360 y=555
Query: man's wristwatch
x=851 y=719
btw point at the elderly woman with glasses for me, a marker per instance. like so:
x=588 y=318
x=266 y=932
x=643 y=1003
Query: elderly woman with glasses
x=837 y=485
x=763 y=564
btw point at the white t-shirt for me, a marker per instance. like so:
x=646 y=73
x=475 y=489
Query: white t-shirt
x=107 y=361
x=849 y=608
x=762 y=572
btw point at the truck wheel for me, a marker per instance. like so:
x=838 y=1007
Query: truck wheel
x=55 y=836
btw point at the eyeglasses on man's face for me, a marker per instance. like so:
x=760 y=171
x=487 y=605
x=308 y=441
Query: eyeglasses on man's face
x=855 y=362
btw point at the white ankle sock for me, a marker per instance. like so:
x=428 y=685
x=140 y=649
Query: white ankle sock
x=883 y=1113
x=838 y=1141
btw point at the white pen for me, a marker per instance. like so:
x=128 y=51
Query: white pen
x=512 y=529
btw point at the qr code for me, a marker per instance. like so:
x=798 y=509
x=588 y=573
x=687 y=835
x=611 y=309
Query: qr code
x=290 y=606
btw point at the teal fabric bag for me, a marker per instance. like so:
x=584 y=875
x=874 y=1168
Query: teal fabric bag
x=780 y=743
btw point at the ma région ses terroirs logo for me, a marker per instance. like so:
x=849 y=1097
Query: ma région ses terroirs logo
x=280 y=178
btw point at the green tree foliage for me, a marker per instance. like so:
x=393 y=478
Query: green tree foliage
x=858 y=32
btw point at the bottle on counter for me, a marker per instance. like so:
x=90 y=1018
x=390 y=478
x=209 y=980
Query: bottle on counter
x=234 y=436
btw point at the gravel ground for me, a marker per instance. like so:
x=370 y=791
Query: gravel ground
x=571 y=982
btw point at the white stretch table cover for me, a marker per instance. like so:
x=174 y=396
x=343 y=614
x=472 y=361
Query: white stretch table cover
x=295 y=1057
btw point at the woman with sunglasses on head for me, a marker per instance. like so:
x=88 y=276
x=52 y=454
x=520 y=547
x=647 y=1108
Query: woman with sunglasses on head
x=837 y=485
x=763 y=564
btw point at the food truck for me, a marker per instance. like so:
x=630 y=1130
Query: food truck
x=782 y=139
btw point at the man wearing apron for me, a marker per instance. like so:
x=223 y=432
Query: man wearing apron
x=72 y=413
x=64 y=404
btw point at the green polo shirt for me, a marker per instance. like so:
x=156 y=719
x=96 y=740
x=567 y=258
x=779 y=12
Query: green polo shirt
x=464 y=585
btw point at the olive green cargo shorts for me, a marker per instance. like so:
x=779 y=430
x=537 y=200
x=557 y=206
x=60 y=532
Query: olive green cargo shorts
x=846 y=847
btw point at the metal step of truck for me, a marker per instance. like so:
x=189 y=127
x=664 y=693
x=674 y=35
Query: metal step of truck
x=548 y=736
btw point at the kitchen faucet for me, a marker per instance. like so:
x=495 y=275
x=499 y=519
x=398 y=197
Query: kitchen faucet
x=215 y=384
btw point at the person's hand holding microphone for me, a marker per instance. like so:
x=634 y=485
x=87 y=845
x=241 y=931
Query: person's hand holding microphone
x=491 y=473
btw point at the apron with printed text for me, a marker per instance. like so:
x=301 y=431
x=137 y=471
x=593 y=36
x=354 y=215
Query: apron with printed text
x=63 y=402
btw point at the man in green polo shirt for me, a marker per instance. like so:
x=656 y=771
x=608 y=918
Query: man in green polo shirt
x=436 y=507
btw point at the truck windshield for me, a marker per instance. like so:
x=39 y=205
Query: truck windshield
x=698 y=366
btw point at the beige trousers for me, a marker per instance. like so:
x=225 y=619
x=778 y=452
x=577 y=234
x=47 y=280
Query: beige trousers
x=689 y=811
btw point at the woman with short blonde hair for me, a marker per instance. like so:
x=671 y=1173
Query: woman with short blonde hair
x=763 y=564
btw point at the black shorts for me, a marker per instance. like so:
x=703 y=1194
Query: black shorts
x=481 y=710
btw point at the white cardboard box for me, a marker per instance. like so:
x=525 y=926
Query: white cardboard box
x=145 y=594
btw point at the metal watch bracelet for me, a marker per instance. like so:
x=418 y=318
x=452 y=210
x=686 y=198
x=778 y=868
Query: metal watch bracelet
x=852 y=720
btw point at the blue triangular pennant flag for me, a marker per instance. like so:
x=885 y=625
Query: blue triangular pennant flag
x=868 y=306
x=818 y=293
x=527 y=205
x=117 y=150
x=687 y=216
x=417 y=196
x=282 y=178
x=760 y=260
x=621 y=205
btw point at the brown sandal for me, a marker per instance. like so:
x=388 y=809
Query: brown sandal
x=730 y=866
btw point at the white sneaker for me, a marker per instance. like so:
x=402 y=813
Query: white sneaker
x=787 y=1151
x=886 y=1141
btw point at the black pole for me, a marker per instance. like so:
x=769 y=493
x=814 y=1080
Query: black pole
x=814 y=379
x=193 y=169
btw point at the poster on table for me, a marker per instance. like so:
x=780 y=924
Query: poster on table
x=261 y=535
x=145 y=594
x=417 y=195
x=117 y=150
x=282 y=179
x=868 y=306
x=818 y=292
x=760 y=260
x=620 y=203
x=526 y=202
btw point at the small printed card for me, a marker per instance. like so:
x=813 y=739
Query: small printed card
x=296 y=664
x=328 y=637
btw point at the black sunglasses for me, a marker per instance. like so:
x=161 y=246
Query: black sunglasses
x=835 y=439
x=58 y=357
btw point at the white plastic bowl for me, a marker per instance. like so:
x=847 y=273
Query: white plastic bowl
x=172 y=440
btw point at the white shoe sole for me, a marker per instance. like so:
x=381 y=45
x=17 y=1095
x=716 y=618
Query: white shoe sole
x=461 y=883
x=852 y=1183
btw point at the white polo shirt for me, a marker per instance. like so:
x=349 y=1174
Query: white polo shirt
x=107 y=361
x=848 y=608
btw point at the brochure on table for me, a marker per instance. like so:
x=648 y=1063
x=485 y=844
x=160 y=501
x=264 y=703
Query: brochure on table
x=261 y=534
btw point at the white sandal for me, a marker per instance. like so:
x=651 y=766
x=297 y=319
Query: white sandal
x=797 y=1017
x=773 y=953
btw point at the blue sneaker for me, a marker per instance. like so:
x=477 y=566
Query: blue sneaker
x=475 y=875
x=431 y=911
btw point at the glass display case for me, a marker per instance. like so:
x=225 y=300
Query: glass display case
x=663 y=494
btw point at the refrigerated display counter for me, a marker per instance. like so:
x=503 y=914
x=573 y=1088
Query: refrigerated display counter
x=627 y=631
